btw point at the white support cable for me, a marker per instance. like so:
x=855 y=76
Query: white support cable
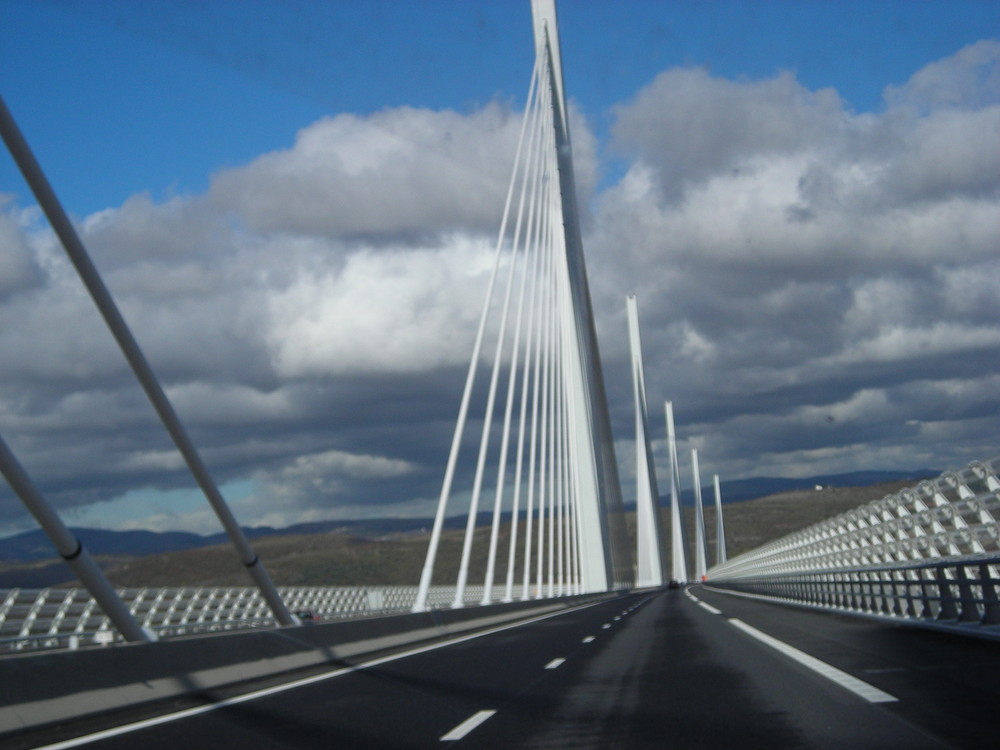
x=427 y=572
x=560 y=465
x=539 y=345
x=572 y=483
x=566 y=511
x=544 y=438
x=546 y=425
x=555 y=395
x=535 y=430
x=553 y=468
x=575 y=496
x=522 y=421
x=575 y=529
x=529 y=179
x=562 y=448
x=477 y=486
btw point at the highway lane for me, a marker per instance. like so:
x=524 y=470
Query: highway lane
x=646 y=670
x=946 y=683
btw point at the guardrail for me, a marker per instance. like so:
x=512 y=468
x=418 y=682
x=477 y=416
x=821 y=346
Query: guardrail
x=958 y=592
x=57 y=685
x=70 y=618
x=929 y=555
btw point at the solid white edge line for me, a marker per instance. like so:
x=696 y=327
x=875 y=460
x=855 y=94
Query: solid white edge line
x=467 y=726
x=710 y=608
x=859 y=687
x=257 y=694
x=555 y=663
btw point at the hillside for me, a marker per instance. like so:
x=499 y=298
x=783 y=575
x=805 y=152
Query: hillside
x=344 y=558
x=752 y=523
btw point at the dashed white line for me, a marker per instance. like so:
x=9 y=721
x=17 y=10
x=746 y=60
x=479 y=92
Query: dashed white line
x=710 y=608
x=555 y=663
x=257 y=694
x=467 y=726
x=588 y=639
x=859 y=687
x=605 y=626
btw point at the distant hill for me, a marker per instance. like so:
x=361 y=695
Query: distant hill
x=756 y=510
x=740 y=490
x=32 y=546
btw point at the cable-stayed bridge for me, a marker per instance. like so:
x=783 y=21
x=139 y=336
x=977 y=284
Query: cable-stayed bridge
x=574 y=637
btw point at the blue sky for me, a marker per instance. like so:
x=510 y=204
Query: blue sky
x=811 y=256
x=119 y=97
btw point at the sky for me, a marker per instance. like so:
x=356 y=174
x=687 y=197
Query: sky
x=294 y=204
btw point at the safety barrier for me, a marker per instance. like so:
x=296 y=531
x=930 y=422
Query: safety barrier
x=929 y=554
x=70 y=618
x=53 y=686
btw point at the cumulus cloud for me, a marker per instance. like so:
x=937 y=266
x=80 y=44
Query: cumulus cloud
x=397 y=173
x=392 y=311
x=817 y=289
x=793 y=258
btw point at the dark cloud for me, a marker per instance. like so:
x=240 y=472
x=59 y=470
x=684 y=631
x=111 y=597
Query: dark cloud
x=817 y=291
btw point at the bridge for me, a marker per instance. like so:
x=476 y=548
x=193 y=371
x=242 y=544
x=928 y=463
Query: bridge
x=874 y=628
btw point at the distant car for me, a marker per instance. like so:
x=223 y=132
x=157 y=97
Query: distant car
x=674 y=584
x=307 y=616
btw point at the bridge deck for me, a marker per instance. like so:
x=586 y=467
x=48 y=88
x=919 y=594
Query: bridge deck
x=660 y=670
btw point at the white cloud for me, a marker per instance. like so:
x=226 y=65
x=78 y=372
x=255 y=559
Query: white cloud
x=399 y=172
x=390 y=311
x=969 y=78
x=832 y=263
x=817 y=290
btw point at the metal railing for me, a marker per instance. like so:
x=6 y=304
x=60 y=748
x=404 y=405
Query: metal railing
x=929 y=554
x=70 y=618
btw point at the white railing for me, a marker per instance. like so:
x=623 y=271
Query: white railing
x=929 y=553
x=69 y=618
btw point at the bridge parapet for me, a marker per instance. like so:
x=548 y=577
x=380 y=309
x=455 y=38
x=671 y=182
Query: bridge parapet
x=32 y=619
x=928 y=554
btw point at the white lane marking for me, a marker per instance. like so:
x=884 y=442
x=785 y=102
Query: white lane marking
x=246 y=697
x=467 y=726
x=691 y=596
x=588 y=639
x=555 y=663
x=860 y=688
x=616 y=618
x=605 y=626
x=710 y=608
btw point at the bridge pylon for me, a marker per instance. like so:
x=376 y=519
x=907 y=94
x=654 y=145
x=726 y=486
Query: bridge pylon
x=649 y=537
x=556 y=452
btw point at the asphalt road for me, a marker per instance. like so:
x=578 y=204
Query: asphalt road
x=695 y=669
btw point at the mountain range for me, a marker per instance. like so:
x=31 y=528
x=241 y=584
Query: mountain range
x=34 y=546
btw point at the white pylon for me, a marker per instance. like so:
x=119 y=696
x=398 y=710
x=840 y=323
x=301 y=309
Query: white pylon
x=720 y=529
x=576 y=466
x=603 y=560
x=700 y=547
x=649 y=562
x=678 y=543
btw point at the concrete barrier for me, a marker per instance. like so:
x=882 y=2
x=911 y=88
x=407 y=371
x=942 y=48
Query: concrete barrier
x=44 y=688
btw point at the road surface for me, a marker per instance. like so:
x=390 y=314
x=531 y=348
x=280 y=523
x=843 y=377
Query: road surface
x=670 y=669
